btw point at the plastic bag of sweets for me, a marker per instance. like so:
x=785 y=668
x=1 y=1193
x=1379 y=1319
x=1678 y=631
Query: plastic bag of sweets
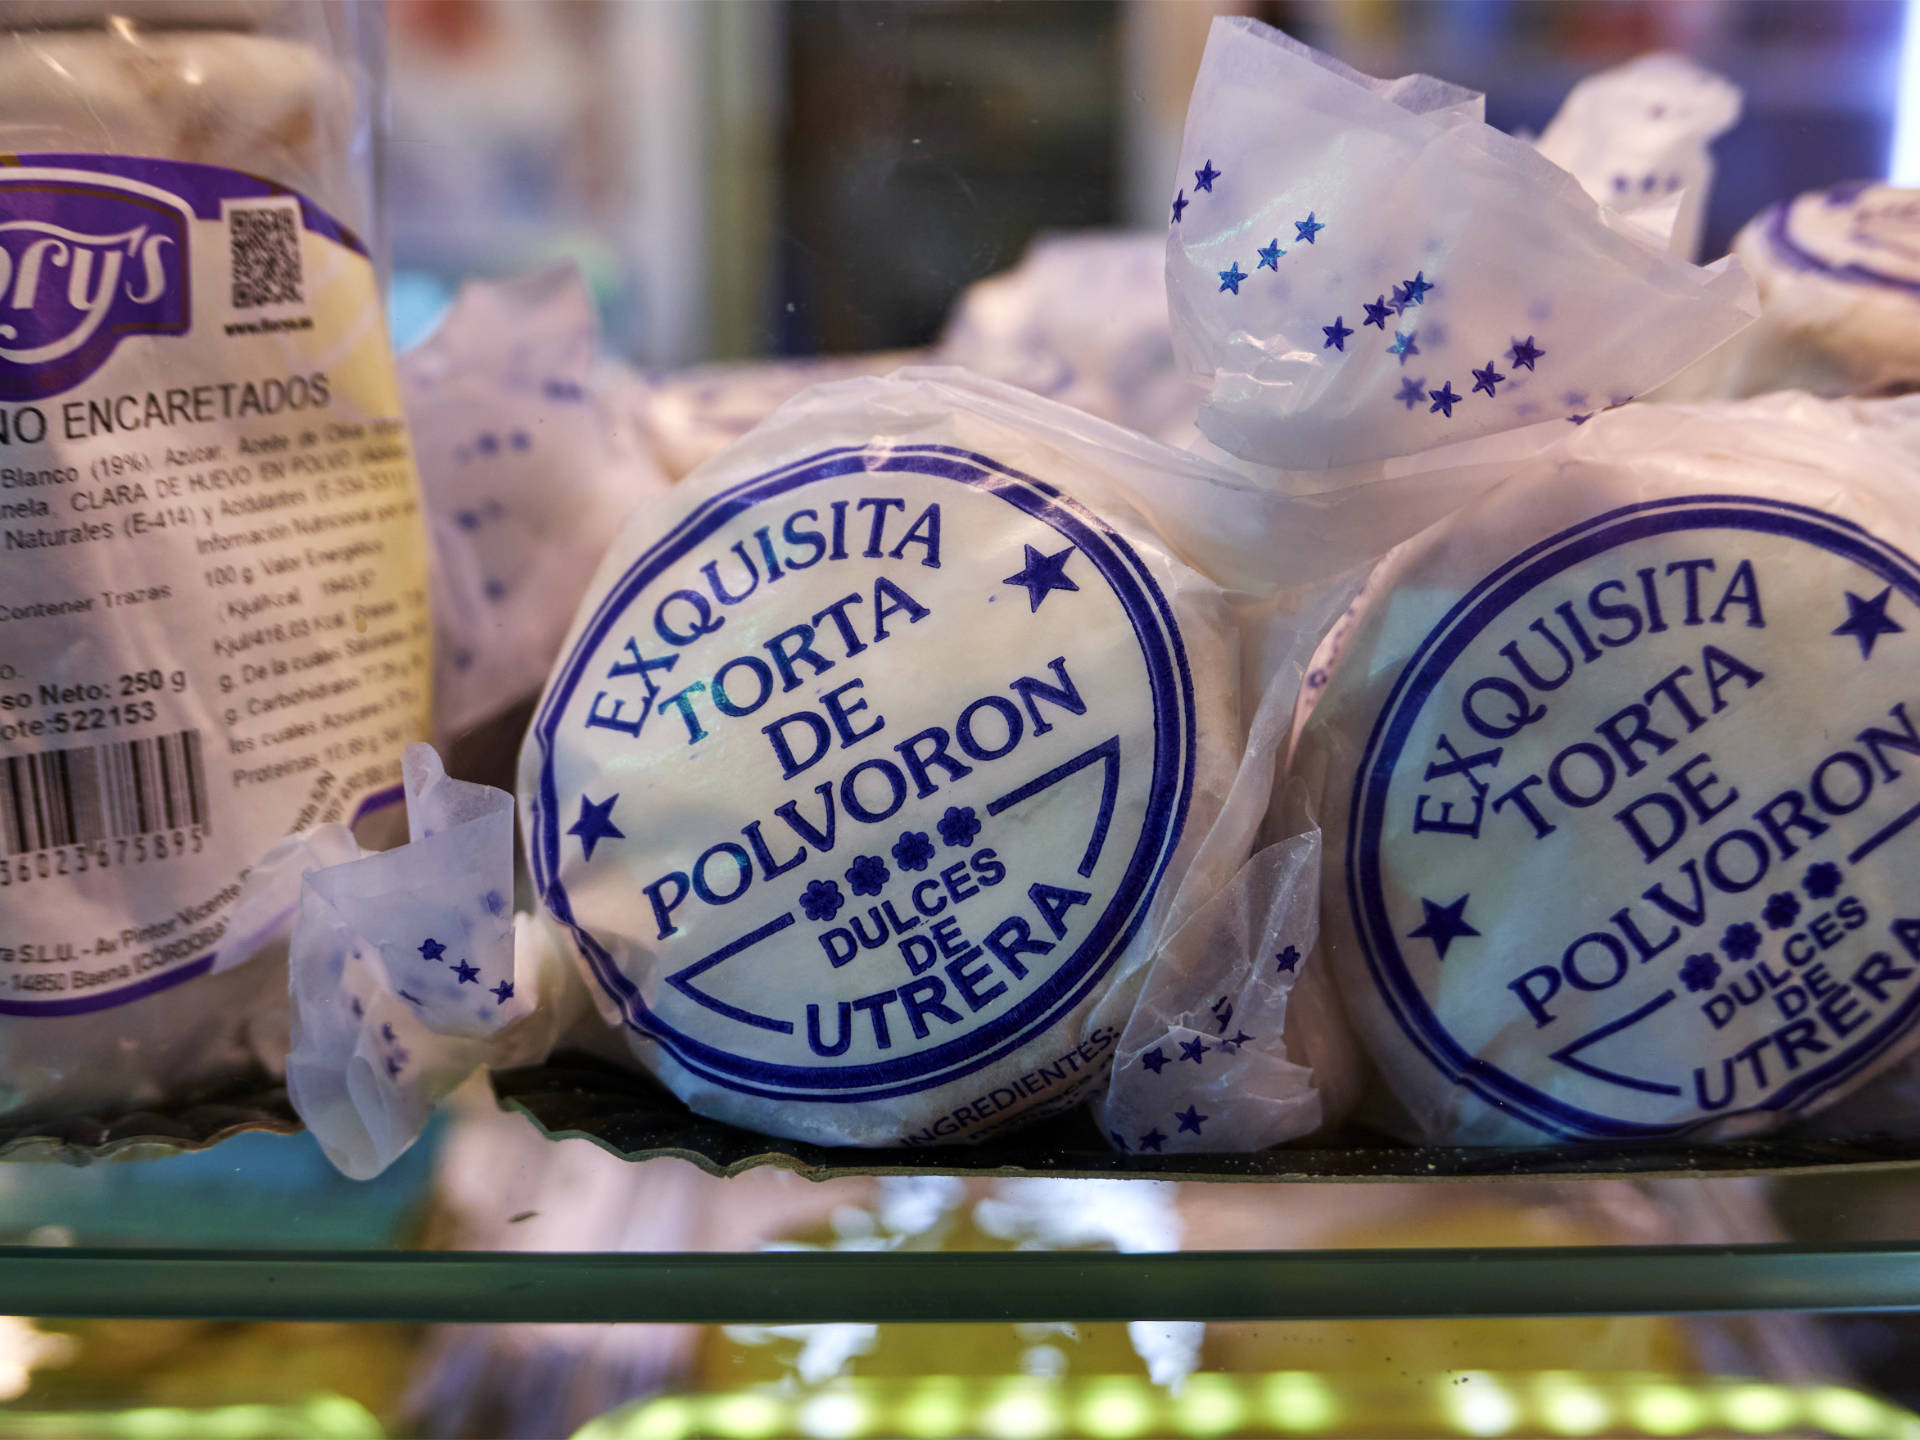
x=213 y=599
x=1618 y=771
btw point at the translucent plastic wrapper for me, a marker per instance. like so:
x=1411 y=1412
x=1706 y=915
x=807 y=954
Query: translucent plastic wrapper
x=1618 y=774
x=1361 y=269
x=1082 y=319
x=282 y=89
x=530 y=462
x=1636 y=137
x=214 y=586
x=410 y=971
x=692 y=415
x=1839 y=277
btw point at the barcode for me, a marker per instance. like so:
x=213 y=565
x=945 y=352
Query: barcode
x=80 y=797
x=265 y=245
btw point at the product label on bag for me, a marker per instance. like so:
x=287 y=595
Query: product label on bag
x=213 y=626
x=1633 y=842
x=861 y=778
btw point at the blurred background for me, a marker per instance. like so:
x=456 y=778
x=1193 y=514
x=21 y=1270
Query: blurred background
x=797 y=177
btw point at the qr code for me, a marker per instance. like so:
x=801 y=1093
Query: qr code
x=266 y=256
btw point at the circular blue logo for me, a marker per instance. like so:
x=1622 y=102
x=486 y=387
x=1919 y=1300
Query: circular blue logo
x=864 y=775
x=1632 y=841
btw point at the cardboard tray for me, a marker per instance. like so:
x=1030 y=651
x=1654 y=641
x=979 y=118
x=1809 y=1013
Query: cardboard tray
x=252 y=1102
x=634 y=1117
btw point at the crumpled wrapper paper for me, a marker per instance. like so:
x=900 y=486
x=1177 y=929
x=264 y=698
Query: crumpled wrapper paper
x=1636 y=137
x=409 y=971
x=1082 y=319
x=529 y=465
x=1361 y=269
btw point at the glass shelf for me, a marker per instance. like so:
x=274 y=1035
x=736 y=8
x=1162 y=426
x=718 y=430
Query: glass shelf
x=489 y=1220
x=788 y=1288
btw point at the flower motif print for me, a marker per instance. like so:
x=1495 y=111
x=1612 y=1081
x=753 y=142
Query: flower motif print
x=1782 y=910
x=867 y=875
x=1823 y=880
x=1699 y=972
x=821 y=900
x=912 y=850
x=959 y=826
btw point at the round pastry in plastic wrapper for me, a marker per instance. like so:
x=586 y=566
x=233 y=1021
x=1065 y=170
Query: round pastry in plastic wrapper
x=1619 y=772
x=1839 y=277
x=888 y=751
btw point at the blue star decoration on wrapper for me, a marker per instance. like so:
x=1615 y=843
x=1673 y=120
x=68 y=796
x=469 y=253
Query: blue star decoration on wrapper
x=1416 y=289
x=1204 y=177
x=1525 y=352
x=1270 y=254
x=1232 y=1046
x=1336 y=334
x=595 y=824
x=1485 y=380
x=1153 y=1140
x=1155 y=1060
x=1867 y=621
x=1180 y=203
x=1231 y=277
x=1193 y=1050
x=1403 y=345
x=431 y=949
x=1444 y=924
x=1308 y=228
x=1443 y=400
x=1413 y=392
x=1287 y=960
x=502 y=992
x=469 y=974
x=1377 y=312
x=1191 y=1119
x=1043 y=575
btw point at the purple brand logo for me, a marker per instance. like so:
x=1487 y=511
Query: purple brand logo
x=83 y=264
